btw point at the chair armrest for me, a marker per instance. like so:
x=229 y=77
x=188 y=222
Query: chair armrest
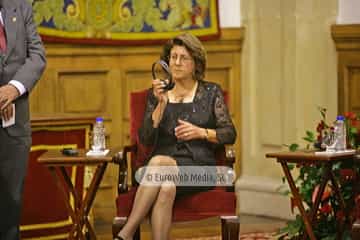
x=230 y=159
x=230 y=155
x=120 y=158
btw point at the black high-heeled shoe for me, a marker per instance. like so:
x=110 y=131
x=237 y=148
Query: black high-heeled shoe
x=118 y=238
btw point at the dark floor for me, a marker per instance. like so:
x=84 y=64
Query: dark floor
x=209 y=227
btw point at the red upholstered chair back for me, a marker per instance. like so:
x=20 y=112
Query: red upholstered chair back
x=137 y=111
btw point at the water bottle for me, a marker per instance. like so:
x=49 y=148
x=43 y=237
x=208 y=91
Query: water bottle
x=340 y=134
x=99 y=135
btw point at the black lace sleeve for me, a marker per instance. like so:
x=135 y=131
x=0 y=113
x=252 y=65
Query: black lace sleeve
x=225 y=130
x=147 y=133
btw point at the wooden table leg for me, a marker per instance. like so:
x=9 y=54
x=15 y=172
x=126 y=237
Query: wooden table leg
x=342 y=204
x=76 y=231
x=78 y=224
x=79 y=213
x=71 y=188
x=94 y=185
x=324 y=180
x=90 y=196
x=298 y=200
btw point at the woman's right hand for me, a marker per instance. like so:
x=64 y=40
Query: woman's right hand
x=162 y=97
x=158 y=90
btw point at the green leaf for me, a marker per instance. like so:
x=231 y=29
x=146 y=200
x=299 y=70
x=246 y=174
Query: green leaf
x=333 y=237
x=308 y=139
x=283 y=179
x=353 y=130
x=286 y=192
x=310 y=134
x=291 y=166
x=336 y=166
x=283 y=190
x=322 y=112
x=294 y=227
x=293 y=147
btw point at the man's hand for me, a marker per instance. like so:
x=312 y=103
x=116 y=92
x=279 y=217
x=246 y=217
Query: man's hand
x=8 y=93
x=7 y=113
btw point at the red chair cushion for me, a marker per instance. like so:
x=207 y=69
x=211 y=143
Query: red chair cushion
x=202 y=205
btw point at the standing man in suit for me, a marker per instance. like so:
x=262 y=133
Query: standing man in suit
x=22 y=62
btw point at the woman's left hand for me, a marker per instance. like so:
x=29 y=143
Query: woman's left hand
x=187 y=131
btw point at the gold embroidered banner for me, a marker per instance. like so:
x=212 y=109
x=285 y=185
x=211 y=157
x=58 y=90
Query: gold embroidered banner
x=124 y=21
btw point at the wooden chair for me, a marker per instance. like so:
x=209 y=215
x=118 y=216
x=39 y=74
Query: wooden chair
x=220 y=201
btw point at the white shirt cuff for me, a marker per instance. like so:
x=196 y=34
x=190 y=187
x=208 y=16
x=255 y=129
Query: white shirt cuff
x=19 y=86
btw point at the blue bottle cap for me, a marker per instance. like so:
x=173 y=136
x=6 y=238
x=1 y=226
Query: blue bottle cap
x=99 y=119
x=340 y=117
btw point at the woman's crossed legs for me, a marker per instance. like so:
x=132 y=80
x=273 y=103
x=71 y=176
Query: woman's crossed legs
x=157 y=199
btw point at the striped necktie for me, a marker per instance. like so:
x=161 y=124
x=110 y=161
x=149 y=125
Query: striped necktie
x=2 y=38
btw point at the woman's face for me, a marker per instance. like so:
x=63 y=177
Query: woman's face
x=181 y=63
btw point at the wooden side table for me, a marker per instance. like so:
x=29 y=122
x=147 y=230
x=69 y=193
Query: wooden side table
x=302 y=158
x=79 y=211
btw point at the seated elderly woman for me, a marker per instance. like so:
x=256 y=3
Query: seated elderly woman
x=185 y=125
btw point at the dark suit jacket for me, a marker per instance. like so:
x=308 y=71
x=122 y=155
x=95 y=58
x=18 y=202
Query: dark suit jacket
x=24 y=59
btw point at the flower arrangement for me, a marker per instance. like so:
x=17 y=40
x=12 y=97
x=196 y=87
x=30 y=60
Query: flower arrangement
x=308 y=180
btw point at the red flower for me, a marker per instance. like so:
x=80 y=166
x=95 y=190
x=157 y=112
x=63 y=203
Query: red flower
x=320 y=126
x=350 y=115
x=357 y=200
x=347 y=174
x=326 y=194
x=340 y=215
x=354 y=123
x=326 y=208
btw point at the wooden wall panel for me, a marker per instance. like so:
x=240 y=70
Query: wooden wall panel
x=91 y=81
x=135 y=80
x=220 y=76
x=43 y=96
x=347 y=40
x=83 y=92
x=354 y=88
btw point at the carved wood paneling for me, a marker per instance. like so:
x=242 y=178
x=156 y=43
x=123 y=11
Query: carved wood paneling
x=83 y=92
x=90 y=81
x=347 y=40
x=353 y=98
x=45 y=89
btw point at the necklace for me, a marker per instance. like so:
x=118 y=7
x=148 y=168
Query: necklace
x=180 y=98
x=186 y=96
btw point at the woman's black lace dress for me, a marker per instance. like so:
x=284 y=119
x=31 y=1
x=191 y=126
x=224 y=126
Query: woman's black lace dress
x=208 y=110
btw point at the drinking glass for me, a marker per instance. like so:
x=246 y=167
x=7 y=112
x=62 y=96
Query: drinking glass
x=328 y=140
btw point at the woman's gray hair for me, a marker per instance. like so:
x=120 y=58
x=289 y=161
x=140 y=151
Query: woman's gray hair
x=194 y=47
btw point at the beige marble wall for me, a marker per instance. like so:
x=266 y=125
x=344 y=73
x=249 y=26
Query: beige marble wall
x=289 y=68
